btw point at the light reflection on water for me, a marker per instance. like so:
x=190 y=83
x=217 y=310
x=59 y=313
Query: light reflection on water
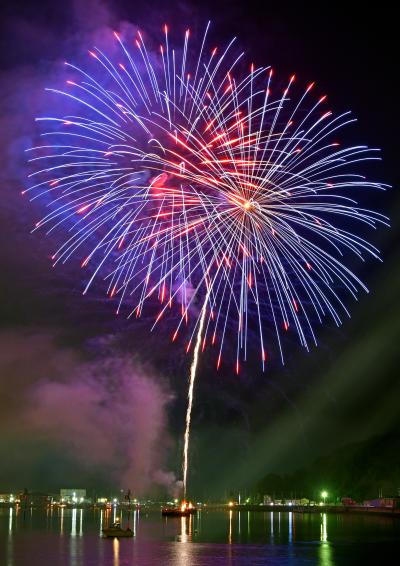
x=116 y=551
x=71 y=537
x=324 y=531
x=325 y=550
x=9 y=542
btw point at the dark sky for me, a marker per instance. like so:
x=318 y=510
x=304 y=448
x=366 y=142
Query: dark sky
x=87 y=399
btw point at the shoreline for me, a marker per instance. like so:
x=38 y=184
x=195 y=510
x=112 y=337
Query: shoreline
x=304 y=509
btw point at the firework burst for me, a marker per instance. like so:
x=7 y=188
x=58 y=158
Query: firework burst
x=181 y=171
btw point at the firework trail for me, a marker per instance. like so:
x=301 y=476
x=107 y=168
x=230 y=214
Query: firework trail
x=183 y=180
x=192 y=378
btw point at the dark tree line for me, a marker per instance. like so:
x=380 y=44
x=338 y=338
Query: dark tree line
x=365 y=470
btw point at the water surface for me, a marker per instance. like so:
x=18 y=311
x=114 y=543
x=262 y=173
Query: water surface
x=72 y=537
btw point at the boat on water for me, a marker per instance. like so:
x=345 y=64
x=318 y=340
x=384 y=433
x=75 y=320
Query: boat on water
x=183 y=510
x=115 y=530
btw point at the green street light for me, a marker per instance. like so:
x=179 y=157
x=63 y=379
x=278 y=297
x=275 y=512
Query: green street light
x=324 y=495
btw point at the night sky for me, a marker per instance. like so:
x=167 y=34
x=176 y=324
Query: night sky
x=90 y=400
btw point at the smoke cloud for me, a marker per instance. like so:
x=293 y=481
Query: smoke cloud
x=107 y=417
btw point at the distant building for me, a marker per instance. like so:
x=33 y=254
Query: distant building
x=7 y=498
x=102 y=500
x=384 y=502
x=346 y=501
x=72 y=495
x=35 y=499
x=299 y=502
